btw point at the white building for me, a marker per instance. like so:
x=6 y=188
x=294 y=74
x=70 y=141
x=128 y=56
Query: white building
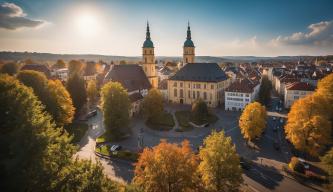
x=62 y=74
x=295 y=91
x=240 y=93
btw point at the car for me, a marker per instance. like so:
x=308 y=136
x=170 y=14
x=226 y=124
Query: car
x=274 y=118
x=115 y=148
x=304 y=163
x=206 y=125
x=276 y=146
x=92 y=114
x=275 y=129
x=244 y=164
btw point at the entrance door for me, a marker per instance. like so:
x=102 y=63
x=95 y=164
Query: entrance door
x=181 y=101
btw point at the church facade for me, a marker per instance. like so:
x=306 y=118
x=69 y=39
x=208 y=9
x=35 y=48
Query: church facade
x=206 y=81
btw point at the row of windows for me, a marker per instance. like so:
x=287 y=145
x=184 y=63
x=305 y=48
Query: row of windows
x=195 y=94
x=148 y=52
x=234 y=99
x=238 y=94
x=194 y=85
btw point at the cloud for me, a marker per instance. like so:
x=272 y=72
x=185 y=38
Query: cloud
x=13 y=17
x=320 y=34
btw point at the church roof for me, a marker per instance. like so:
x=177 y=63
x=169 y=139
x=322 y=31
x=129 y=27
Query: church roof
x=130 y=76
x=188 y=42
x=201 y=72
x=148 y=43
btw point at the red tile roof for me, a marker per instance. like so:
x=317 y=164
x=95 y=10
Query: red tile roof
x=302 y=86
x=242 y=86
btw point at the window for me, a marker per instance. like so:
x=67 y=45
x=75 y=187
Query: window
x=175 y=84
x=247 y=95
x=212 y=86
x=204 y=86
x=247 y=100
x=198 y=86
x=193 y=94
x=189 y=94
x=181 y=84
x=211 y=96
x=189 y=85
x=205 y=95
x=296 y=97
x=175 y=92
x=198 y=94
x=145 y=59
x=181 y=94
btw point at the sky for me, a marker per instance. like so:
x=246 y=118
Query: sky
x=117 y=27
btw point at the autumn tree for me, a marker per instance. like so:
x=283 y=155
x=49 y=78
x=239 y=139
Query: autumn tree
x=75 y=66
x=115 y=107
x=77 y=90
x=264 y=95
x=308 y=128
x=153 y=104
x=220 y=166
x=327 y=160
x=199 y=111
x=59 y=64
x=167 y=168
x=252 y=122
x=92 y=91
x=52 y=94
x=35 y=154
x=9 y=68
x=325 y=89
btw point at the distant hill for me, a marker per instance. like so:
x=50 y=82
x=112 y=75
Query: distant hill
x=108 y=58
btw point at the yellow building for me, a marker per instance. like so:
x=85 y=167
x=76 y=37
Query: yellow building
x=149 y=60
x=206 y=81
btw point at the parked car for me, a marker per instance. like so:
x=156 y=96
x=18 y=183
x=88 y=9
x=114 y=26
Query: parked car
x=92 y=114
x=115 y=148
x=244 y=164
x=304 y=163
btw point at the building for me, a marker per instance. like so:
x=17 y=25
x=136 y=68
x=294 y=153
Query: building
x=206 y=81
x=240 y=93
x=133 y=79
x=61 y=74
x=149 y=60
x=295 y=91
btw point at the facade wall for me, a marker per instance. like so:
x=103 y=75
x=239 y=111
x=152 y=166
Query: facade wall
x=149 y=66
x=188 y=55
x=292 y=95
x=187 y=92
x=236 y=101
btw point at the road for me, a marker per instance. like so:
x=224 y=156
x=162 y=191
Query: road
x=264 y=176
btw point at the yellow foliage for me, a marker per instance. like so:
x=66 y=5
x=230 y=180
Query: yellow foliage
x=253 y=120
x=166 y=167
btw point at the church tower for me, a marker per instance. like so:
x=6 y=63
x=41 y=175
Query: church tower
x=149 y=59
x=188 y=49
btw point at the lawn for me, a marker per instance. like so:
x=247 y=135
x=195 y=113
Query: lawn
x=184 y=117
x=122 y=154
x=163 y=123
x=77 y=130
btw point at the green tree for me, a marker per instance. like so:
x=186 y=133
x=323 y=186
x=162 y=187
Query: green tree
x=220 y=166
x=59 y=64
x=200 y=111
x=153 y=104
x=252 y=122
x=52 y=94
x=115 y=106
x=77 y=90
x=92 y=91
x=36 y=155
x=74 y=66
x=264 y=96
x=9 y=68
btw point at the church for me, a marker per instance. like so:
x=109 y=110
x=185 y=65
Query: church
x=206 y=81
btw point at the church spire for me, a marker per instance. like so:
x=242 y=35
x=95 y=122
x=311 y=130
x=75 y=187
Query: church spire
x=148 y=32
x=188 y=31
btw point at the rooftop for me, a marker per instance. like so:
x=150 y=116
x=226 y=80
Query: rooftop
x=301 y=86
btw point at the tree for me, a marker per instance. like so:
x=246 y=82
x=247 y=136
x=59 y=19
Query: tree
x=264 y=96
x=52 y=94
x=36 y=155
x=153 y=104
x=327 y=160
x=115 y=107
x=59 y=64
x=92 y=91
x=77 y=90
x=220 y=165
x=252 y=122
x=60 y=104
x=308 y=127
x=325 y=89
x=200 y=111
x=167 y=168
x=9 y=68
x=74 y=66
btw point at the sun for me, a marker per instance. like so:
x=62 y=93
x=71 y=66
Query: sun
x=87 y=24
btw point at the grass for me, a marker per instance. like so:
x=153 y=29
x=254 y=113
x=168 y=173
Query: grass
x=183 y=118
x=163 y=123
x=77 y=130
x=125 y=154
